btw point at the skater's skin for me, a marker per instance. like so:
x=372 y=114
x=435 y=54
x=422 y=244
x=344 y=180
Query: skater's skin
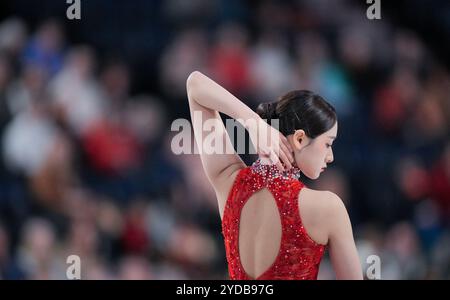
x=323 y=213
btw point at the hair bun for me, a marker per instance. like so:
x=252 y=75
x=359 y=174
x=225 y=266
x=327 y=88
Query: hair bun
x=267 y=111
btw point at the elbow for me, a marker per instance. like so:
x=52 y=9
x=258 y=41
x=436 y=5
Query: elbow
x=193 y=81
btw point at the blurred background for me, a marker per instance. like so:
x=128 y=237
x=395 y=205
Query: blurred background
x=86 y=107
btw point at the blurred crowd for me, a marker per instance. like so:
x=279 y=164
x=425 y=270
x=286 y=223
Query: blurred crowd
x=86 y=166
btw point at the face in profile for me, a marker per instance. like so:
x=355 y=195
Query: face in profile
x=313 y=155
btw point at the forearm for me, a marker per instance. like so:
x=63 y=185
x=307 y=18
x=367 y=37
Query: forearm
x=211 y=95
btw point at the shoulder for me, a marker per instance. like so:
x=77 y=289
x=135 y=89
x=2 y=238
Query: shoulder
x=334 y=203
x=336 y=215
x=316 y=208
x=319 y=197
x=326 y=204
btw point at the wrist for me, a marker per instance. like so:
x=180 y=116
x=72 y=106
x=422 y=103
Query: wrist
x=251 y=120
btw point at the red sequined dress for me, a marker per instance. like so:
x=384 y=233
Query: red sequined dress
x=299 y=256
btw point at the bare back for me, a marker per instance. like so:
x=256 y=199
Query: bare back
x=260 y=226
x=258 y=234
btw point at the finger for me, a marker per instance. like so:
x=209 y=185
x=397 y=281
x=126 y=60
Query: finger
x=264 y=152
x=284 y=154
x=276 y=161
x=273 y=156
x=286 y=142
x=288 y=153
x=291 y=150
x=280 y=166
x=285 y=159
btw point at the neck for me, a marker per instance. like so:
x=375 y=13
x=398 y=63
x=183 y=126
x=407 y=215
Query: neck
x=266 y=168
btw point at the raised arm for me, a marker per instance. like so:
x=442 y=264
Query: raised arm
x=342 y=248
x=209 y=98
x=206 y=100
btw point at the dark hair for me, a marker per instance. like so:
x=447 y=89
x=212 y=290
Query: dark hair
x=300 y=109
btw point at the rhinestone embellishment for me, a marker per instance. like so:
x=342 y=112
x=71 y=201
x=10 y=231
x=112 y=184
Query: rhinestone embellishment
x=299 y=256
x=272 y=171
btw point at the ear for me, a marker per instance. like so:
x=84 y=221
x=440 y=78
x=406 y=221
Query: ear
x=299 y=139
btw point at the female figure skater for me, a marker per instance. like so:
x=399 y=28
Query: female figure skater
x=274 y=227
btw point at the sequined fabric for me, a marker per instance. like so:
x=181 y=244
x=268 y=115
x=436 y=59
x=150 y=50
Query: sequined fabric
x=299 y=256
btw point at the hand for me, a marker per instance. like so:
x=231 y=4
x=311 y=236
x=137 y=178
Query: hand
x=271 y=144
